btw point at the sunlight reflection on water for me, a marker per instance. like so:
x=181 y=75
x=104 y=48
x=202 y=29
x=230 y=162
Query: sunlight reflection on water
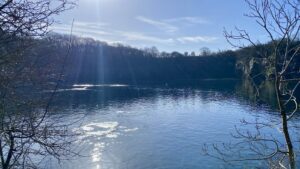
x=93 y=131
x=100 y=85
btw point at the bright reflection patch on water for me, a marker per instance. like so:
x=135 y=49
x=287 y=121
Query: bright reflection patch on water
x=106 y=129
x=95 y=132
x=73 y=89
x=83 y=87
x=96 y=153
x=100 y=85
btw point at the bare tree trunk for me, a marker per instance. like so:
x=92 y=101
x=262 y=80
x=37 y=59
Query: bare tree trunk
x=285 y=125
x=288 y=141
x=6 y=164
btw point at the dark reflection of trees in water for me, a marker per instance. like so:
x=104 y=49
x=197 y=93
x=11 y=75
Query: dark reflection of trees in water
x=259 y=142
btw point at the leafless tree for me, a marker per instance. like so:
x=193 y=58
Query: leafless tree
x=27 y=132
x=280 y=19
x=205 y=51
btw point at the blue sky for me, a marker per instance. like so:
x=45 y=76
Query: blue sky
x=170 y=25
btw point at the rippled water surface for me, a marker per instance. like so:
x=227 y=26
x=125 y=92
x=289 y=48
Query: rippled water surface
x=153 y=127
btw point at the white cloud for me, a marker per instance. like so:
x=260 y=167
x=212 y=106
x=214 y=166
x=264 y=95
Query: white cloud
x=189 y=20
x=135 y=36
x=78 y=30
x=107 y=34
x=103 y=32
x=159 y=24
x=84 y=28
x=196 y=39
x=91 y=25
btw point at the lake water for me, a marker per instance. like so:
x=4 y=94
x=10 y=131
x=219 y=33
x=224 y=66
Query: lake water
x=155 y=127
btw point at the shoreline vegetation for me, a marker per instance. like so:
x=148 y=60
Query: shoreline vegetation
x=96 y=62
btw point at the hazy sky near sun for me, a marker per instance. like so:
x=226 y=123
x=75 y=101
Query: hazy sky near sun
x=170 y=25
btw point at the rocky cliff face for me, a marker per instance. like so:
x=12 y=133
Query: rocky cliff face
x=255 y=68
